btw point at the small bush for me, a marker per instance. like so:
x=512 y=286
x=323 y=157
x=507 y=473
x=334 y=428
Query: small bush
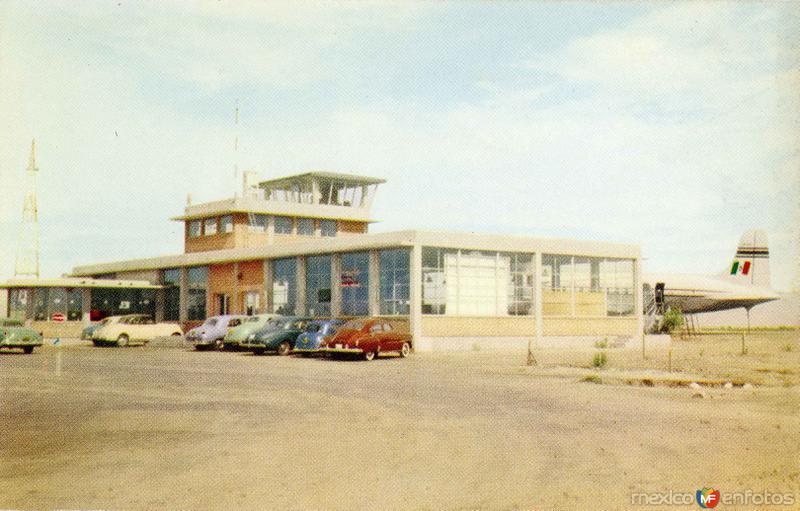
x=599 y=360
x=601 y=344
x=592 y=378
x=788 y=347
x=673 y=320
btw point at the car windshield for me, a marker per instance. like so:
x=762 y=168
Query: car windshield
x=254 y=319
x=275 y=323
x=300 y=323
x=210 y=322
x=353 y=325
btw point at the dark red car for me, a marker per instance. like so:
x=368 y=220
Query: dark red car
x=369 y=338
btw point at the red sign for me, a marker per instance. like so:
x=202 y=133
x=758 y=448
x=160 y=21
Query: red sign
x=57 y=317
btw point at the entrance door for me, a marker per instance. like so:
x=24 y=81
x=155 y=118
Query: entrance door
x=252 y=301
x=222 y=304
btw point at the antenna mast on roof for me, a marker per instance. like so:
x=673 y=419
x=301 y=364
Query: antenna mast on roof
x=236 y=152
x=27 y=263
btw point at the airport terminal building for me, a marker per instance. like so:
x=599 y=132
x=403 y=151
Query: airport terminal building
x=301 y=245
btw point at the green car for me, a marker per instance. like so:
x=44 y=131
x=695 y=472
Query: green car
x=239 y=334
x=13 y=334
x=278 y=335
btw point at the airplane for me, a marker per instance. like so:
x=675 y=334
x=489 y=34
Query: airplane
x=744 y=284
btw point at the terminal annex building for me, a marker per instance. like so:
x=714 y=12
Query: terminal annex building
x=300 y=245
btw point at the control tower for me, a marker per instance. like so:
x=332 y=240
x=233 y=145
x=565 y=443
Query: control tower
x=287 y=209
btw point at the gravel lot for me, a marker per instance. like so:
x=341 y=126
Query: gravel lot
x=143 y=428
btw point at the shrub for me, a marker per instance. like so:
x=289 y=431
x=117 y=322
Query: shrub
x=673 y=320
x=788 y=347
x=592 y=378
x=599 y=360
x=601 y=344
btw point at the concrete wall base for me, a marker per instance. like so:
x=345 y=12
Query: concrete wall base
x=428 y=344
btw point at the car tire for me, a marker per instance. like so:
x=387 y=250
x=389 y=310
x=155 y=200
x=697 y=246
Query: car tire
x=405 y=350
x=258 y=351
x=123 y=340
x=97 y=343
x=370 y=355
x=284 y=348
x=218 y=346
x=176 y=334
x=27 y=350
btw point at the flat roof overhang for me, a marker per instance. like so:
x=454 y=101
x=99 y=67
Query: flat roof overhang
x=71 y=282
x=271 y=207
x=351 y=179
x=362 y=242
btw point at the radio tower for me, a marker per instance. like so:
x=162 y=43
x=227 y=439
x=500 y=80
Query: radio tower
x=236 y=152
x=27 y=264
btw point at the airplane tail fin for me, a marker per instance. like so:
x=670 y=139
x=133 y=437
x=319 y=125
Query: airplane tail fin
x=750 y=265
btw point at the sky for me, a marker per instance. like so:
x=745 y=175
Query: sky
x=669 y=125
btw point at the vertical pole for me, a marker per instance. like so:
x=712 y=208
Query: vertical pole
x=537 y=308
x=374 y=276
x=638 y=302
x=86 y=305
x=234 y=307
x=300 y=307
x=415 y=310
x=269 y=298
x=336 y=285
x=183 y=296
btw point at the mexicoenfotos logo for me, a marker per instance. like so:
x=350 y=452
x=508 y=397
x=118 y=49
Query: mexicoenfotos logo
x=707 y=498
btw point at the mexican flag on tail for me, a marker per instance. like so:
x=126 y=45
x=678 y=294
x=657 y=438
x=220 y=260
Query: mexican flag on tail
x=738 y=268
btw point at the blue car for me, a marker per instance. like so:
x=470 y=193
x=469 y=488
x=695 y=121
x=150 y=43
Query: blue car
x=316 y=331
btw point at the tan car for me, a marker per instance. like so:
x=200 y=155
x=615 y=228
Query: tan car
x=134 y=328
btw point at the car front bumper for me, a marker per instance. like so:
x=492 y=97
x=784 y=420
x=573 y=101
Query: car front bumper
x=339 y=348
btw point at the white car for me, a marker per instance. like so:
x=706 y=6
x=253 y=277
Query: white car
x=134 y=328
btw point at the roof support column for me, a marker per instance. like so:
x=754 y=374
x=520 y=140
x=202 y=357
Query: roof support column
x=233 y=308
x=638 y=299
x=300 y=307
x=183 y=296
x=415 y=308
x=86 y=305
x=336 y=285
x=373 y=277
x=269 y=297
x=538 y=306
x=159 y=298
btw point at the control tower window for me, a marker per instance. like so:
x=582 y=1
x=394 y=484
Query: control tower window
x=328 y=227
x=210 y=226
x=283 y=225
x=305 y=226
x=194 y=228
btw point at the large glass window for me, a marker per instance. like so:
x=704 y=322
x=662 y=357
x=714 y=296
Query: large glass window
x=226 y=223
x=210 y=226
x=257 y=223
x=520 y=289
x=587 y=286
x=305 y=226
x=328 y=227
x=283 y=225
x=476 y=283
x=198 y=285
x=318 y=285
x=116 y=302
x=18 y=304
x=172 y=294
x=355 y=284
x=394 y=281
x=284 y=286
x=74 y=304
x=195 y=227
x=40 y=301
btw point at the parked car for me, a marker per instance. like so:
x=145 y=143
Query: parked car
x=13 y=334
x=310 y=340
x=88 y=332
x=238 y=335
x=278 y=335
x=212 y=332
x=369 y=338
x=134 y=328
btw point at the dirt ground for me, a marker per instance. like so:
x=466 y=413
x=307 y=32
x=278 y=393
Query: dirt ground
x=147 y=428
